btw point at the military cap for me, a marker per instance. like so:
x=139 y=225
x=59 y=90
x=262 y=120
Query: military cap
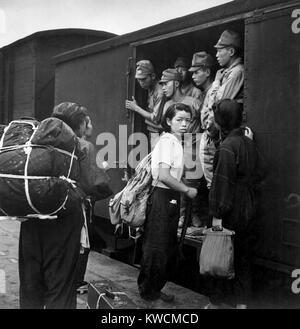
x=202 y=58
x=143 y=68
x=229 y=39
x=181 y=62
x=170 y=75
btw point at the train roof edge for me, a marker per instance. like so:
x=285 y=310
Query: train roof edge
x=223 y=11
x=58 y=32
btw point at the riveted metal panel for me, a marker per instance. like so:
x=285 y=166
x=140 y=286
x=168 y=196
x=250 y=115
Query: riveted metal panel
x=272 y=100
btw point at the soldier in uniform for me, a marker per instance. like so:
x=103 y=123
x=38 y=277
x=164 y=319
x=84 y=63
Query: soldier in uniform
x=229 y=80
x=228 y=83
x=146 y=78
x=202 y=69
x=187 y=87
x=171 y=83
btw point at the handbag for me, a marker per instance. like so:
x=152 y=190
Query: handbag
x=217 y=253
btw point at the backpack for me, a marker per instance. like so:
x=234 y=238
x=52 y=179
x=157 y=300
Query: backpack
x=129 y=205
x=38 y=168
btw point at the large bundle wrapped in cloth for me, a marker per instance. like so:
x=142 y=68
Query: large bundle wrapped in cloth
x=2 y=127
x=38 y=168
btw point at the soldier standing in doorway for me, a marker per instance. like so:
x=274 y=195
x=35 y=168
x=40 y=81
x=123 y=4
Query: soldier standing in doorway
x=202 y=70
x=228 y=83
x=146 y=78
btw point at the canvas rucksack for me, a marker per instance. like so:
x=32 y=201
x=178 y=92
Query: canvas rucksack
x=129 y=205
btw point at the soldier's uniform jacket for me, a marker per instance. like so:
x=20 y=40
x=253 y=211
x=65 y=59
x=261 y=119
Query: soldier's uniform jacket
x=192 y=91
x=231 y=84
x=206 y=109
x=154 y=106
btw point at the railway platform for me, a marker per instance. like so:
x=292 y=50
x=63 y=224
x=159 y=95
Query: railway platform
x=100 y=267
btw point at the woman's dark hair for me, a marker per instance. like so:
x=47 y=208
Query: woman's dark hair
x=71 y=113
x=171 y=112
x=228 y=114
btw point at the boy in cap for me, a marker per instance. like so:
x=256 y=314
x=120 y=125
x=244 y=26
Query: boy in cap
x=147 y=80
x=187 y=87
x=171 y=83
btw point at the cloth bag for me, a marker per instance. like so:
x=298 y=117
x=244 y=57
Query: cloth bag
x=217 y=254
x=130 y=205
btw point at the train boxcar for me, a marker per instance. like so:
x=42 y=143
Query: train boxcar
x=101 y=77
x=27 y=71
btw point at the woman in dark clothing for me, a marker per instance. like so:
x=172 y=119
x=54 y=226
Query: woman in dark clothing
x=232 y=198
x=160 y=238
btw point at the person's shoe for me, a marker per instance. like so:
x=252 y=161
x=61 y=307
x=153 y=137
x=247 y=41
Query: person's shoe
x=82 y=288
x=166 y=298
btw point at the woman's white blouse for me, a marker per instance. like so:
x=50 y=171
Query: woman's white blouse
x=168 y=151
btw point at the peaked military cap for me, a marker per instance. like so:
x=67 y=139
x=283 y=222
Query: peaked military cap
x=229 y=38
x=202 y=58
x=143 y=68
x=170 y=75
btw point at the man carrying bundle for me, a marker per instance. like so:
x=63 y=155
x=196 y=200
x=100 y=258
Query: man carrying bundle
x=49 y=249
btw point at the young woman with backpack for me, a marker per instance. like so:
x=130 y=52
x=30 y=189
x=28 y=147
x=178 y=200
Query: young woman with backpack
x=160 y=235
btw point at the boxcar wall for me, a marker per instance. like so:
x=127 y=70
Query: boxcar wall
x=272 y=61
x=96 y=77
x=99 y=82
x=27 y=70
